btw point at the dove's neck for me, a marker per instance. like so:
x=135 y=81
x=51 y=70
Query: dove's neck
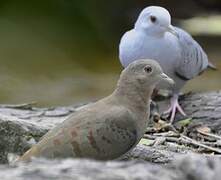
x=149 y=32
x=133 y=94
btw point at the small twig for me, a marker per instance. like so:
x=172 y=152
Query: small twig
x=194 y=142
x=209 y=134
x=169 y=139
x=167 y=134
x=174 y=139
x=148 y=136
x=206 y=138
x=213 y=144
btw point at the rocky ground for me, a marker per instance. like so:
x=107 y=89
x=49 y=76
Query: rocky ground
x=165 y=152
x=191 y=167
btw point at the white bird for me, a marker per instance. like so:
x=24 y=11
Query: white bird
x=180 y=56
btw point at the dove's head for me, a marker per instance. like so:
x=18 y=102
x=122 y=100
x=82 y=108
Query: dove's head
x=154 y=20
x=142 y=75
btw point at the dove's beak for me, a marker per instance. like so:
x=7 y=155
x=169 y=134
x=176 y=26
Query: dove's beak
x=167 y=79
x=172 y=30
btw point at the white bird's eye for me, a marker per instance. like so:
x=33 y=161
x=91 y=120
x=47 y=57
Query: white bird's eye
x=153 y=19
x=148 y=69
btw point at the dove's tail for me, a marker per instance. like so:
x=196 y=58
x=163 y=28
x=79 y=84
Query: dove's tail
x=212 y=66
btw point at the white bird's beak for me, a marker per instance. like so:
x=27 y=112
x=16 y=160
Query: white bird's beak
x=167 y=79
x=172 y=30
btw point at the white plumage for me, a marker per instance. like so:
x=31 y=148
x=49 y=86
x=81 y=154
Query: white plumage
x=153 y=36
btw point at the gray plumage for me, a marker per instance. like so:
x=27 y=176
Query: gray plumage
x=109 y=127
x=193 y=59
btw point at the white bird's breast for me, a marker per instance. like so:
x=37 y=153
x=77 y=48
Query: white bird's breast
x=164 y=49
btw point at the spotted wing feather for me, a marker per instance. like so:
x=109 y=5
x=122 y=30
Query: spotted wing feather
x=193 y=59
x=94 y=135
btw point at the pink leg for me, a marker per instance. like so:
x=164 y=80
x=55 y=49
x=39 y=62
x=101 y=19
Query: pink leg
x=174 y=106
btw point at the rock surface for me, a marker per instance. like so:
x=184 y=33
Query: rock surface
x=184 y=168
x=23 y=125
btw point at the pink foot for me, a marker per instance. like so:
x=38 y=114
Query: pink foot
x=174 y=107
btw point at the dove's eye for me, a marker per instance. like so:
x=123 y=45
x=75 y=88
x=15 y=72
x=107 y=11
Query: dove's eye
x=153 y=19
x=148 y=69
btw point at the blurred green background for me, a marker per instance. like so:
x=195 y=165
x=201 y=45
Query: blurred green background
x=61 y=52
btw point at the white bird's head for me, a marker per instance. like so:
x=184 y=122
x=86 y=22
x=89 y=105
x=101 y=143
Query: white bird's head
x=154 y=20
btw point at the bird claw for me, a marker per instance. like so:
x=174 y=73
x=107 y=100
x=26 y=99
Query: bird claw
x=173 y=108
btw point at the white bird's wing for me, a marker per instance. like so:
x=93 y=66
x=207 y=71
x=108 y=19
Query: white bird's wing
x=193 y=59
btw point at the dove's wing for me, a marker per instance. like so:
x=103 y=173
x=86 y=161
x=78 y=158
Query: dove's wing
x=98 y=134
x=193 y=59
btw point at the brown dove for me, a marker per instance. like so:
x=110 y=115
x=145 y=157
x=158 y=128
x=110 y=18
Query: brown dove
x=109 y=127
